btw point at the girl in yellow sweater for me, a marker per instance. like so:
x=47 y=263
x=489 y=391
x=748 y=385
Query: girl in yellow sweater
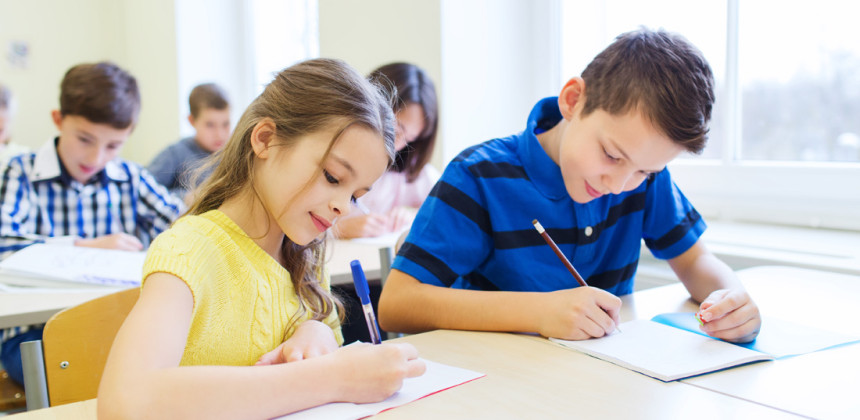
x=235 y=317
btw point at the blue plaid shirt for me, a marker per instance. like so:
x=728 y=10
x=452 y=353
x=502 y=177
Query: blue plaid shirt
x=40 y=202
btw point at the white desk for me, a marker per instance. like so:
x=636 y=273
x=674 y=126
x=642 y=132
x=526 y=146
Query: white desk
x=529 y=377
x=824 y=384
x=36 y=307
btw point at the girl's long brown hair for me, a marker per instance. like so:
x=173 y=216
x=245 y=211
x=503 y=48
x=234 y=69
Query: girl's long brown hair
x=303 y=99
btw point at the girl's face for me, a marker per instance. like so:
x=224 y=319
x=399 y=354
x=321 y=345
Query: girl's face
x=303 y=193
x=410 y=124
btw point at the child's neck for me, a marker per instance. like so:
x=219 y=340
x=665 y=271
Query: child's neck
x=550 y=140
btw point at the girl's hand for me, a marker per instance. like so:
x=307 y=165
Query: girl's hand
x=401 y=217
x=577 y=314
x=372 y=373
x=311 y=339
x=731 y=315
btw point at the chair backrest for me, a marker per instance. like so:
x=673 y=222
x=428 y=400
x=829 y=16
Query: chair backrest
x=76 y=343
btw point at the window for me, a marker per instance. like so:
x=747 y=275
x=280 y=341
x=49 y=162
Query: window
x=785 y=135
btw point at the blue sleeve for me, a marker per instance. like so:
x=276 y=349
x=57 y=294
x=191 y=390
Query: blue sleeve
x=671 y=223
x=156 y=209
x=449 y=237
x=16 y=196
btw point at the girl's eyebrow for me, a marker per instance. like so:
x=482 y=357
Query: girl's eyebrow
x=343 y=162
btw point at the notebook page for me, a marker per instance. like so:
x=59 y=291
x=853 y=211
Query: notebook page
x=438 y=377
x=664 y=352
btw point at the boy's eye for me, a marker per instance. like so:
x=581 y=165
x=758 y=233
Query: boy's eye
x=331 y=179
x=612 y=158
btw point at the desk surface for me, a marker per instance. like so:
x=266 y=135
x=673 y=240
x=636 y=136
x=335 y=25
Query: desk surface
x=529 y=377
x=37 y=306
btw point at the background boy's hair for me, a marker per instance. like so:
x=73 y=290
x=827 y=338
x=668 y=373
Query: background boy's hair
x=206 y=96
x=5 y=97
x=102 y=93
x=412 y=85
x=309 y=97
x=659 y=74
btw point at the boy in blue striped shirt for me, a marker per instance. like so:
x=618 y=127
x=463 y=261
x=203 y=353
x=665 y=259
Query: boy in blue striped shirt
x=75 y=189
x=591 y=168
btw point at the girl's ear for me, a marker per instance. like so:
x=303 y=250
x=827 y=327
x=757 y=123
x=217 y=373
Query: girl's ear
x=572 y=93
x=262 y=136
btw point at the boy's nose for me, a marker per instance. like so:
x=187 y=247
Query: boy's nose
x=617 y=181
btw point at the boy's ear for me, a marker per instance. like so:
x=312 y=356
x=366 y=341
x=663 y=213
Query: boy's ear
x=572 y=93
x=57 y=118
x=262 y=136
x=191 y=120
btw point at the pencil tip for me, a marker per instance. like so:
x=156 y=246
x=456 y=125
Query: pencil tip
x=534 y=221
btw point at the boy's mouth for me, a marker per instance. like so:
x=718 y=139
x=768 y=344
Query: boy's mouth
x=591 y=191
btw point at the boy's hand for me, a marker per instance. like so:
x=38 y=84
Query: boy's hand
x=731 y=315
x=578 y=314
x=367 y=225
x=311 y=339
x=121 y=241
x=373 y=373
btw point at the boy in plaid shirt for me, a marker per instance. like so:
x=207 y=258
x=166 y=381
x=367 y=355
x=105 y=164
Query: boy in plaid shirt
x=75 y=189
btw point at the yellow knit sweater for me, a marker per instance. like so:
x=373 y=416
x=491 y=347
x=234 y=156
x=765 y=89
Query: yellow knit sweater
x=243 y=299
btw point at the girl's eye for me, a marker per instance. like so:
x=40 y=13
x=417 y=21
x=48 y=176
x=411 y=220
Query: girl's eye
x=353 y=200
x=331 y=179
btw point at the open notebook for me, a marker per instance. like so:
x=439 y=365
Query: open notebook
x=47 y=265
x=674 y=352
x=437 y=378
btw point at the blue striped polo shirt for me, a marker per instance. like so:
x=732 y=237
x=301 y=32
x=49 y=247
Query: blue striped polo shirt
x=475 y=229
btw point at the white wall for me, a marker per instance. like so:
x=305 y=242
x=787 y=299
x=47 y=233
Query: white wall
x=171 y=45
x=212 y=46
x=138 y=36
x=484 y=99
x=371 y=33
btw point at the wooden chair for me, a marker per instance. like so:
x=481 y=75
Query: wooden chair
x=73 y=350
x=11 y=394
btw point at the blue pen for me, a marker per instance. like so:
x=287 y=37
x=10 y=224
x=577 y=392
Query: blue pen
x=363 y=293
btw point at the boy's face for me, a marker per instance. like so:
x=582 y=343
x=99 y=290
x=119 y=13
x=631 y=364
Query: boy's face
x=213 y=128
x=4 y=125
x=86 y=147
x=607 y=154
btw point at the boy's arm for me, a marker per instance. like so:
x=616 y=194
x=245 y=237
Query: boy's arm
x=164 y=168
x=17 y=230
x=157 y=207
x=727 y=308
x=407 y=305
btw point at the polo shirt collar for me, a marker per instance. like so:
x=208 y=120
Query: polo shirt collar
x=541 y=169
x=47 y=166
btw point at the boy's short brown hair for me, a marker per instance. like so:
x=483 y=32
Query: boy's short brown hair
x=206 y=96
x=102 y=93
x=659 y=74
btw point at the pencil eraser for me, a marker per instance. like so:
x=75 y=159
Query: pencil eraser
x=699 y=318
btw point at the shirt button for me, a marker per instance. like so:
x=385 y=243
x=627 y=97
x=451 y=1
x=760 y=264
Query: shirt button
x=588 y=230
